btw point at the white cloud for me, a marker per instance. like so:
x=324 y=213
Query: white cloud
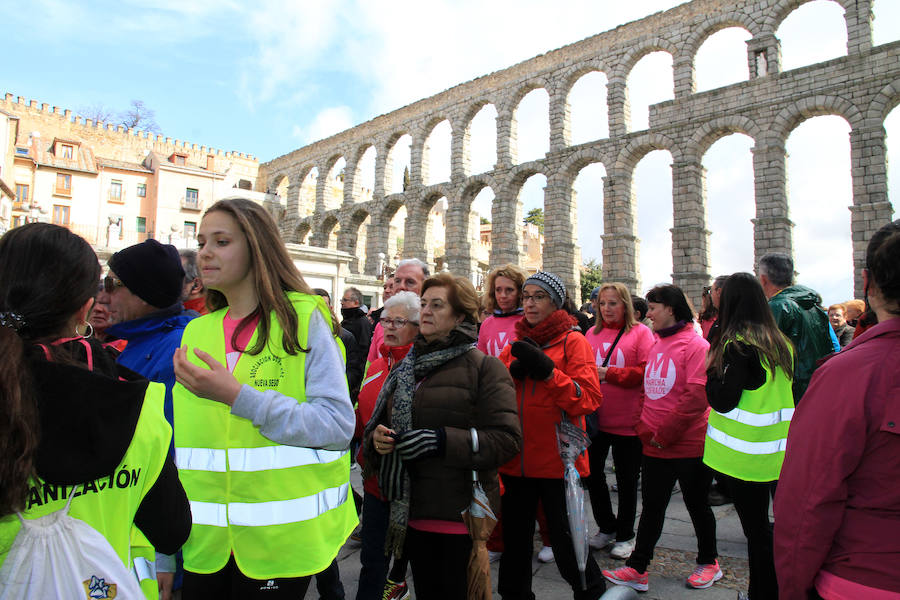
x=326 y=123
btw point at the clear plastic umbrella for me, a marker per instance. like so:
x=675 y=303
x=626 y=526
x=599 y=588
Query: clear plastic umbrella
x=572 y=441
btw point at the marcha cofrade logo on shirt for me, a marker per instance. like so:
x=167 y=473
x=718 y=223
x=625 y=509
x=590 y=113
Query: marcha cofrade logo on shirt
x=266 y=372
x=659 y=378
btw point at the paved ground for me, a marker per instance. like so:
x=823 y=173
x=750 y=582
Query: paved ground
x=673 y=561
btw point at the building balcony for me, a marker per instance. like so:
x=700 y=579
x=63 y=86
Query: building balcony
x=61 y=191
x=192 y=204
x=117 y=198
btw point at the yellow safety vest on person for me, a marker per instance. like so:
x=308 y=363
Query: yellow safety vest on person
x=283 y=511
x=748 y=442
x=143 y=564
x=109 y=503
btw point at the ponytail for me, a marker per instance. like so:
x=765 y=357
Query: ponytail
x=19 y=424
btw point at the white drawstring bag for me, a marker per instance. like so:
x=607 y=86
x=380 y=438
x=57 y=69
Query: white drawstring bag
x=58 y=556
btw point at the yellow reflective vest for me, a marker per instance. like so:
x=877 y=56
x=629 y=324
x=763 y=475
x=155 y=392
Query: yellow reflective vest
x=109 y=503
x=748 y=442
x=282 y=511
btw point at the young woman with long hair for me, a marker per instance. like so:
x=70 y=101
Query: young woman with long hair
x=621 y=347
x=75 y=424
x=672 y=428
x=750 y=369
x=262 y=446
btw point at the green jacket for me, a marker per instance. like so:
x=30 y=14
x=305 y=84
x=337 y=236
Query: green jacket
x=800 y=316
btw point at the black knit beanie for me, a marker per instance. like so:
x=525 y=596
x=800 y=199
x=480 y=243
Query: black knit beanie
x=151 y=271
x=551 y=284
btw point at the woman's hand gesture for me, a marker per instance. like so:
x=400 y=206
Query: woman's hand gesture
x=216 y=383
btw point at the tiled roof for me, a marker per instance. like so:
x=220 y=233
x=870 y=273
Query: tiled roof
x=82 y=157
x=122 y=164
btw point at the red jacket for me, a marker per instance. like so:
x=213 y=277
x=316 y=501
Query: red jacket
x=388 y=357
x=837 y=508
x=573 y=387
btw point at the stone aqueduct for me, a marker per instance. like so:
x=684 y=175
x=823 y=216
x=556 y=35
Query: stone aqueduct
x=862 y=87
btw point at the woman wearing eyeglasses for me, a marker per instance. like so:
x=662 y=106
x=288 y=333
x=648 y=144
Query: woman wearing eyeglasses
x=556 y=377
x=434 y=405
x=400 y=320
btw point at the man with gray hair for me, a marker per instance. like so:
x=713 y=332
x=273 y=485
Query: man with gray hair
x=193 y=295
x=411 y=273
x=798 y=314
x=355 y=320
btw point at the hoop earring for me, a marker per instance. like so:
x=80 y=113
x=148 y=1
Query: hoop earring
x=88 y=331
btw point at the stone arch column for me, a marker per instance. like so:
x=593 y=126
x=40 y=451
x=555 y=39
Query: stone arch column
x=871 y=207
x=772 y=227
x=416 y=230
x=350 y=177
x=621 y=246
x=618 y=105
x=506 y=231
x=690 y=237
x=459 y=150
x=288 y=225
x=418 y=159
x=763 y=55
x=377 y=241
x=858 y=15
x=560 y=119
x=561 y=255
x=384 y=176
x=683 y=72
x=457 y=238
x=506 y=138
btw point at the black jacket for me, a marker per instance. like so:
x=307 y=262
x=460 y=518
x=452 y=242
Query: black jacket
x=356 y=322
x=73 y=400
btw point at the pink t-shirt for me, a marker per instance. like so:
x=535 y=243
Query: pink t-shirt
x=621 y=407
x=496 y=332
x=231 y=353
x=377 y=340
x=832 y=587
x=674 y=362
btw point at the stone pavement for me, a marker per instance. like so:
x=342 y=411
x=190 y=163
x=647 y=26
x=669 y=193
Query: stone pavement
x=673 y=560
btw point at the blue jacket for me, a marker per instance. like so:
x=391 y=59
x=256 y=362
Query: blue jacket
x=151 y=343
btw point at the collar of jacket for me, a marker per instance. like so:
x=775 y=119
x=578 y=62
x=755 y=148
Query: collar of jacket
x=165 y=319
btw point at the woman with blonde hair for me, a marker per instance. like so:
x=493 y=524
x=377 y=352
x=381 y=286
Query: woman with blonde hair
x=261 y=443
x=621 y=345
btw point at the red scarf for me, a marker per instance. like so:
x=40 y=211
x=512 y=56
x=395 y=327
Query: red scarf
x=558 y=322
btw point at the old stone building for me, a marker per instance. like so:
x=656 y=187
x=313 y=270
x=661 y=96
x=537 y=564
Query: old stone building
x=111 y=186
x=861 y=87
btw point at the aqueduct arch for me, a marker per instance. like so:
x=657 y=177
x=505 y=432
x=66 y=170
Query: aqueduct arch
x=862 y=87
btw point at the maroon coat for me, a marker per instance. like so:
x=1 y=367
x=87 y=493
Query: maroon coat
x=838 y=503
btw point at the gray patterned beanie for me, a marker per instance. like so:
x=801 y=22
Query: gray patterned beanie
x=550 y=283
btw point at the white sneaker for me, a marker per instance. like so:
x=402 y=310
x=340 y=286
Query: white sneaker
x=494 y=556
x=622 y=549
x=546 y=554
x=601 y=540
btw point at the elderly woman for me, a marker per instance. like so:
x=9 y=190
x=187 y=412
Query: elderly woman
x=433 y=405
x=400 y=320
x=556 y=378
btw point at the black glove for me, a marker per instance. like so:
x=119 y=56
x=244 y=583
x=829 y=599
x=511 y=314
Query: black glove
x=420 y=443
x=537 y=364
x=517 y=369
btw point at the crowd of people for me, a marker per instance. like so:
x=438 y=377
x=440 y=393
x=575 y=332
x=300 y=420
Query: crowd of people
x=191 y=418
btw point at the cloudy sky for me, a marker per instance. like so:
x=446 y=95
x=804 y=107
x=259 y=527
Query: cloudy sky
x=269 y=76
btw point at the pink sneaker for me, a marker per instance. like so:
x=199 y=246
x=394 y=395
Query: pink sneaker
x=704 y=576
x=630 y=577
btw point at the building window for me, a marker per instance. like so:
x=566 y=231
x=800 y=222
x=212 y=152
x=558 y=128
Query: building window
x=192 y=198
x=190 y=230
x=60 y=214
x=21 y=194
x=67 y=151
x=142 y=190
x=64 y=184
x=115 y=191
x=141 y=224
x=21 y=151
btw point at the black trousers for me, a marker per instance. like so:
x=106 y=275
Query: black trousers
x=231 y=583
x=439 y=563
x=658 y=477
x=751 y=501
x=519 y=509
x=626 y=452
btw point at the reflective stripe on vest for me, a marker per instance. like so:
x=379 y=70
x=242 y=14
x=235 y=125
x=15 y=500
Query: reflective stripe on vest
x=263 y=514
x=144 y=569
x=252 y=459
x=251 y=497
x=744 y=447
x=749 y=441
